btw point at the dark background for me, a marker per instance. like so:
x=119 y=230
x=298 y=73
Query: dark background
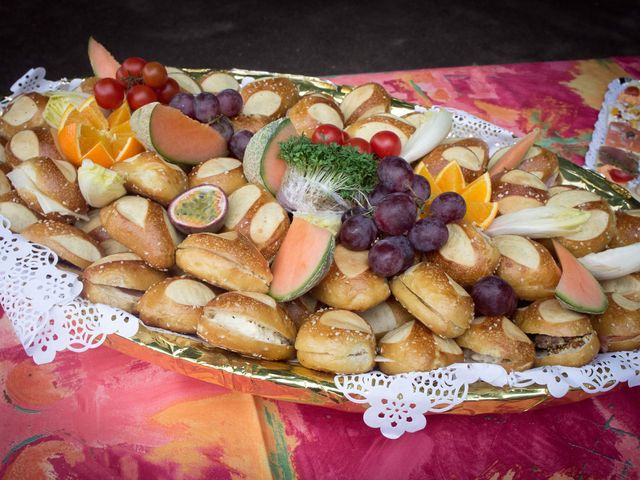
x=315 y=38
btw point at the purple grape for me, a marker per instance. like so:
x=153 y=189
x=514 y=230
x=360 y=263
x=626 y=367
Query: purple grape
x=395 y=214
x=206 y=107
x=379 y=192
x=448 y=207
x=238 y=143
x=421 y=188
x=230 y=102
x=428 y=234
x=408 y=252
x=353 y=211
x=493 y=296
x=386 y=258
x=224 y=127
x=395 y=174
x=185 y=103
x=358 y=232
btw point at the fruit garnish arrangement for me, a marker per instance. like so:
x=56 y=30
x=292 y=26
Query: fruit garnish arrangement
x=289 y=227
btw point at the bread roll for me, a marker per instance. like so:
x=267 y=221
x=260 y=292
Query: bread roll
x=228 y=260
x=597 y=232
x=119 y=280
x=337 y=341
x=175 y=304
x=68 y=242
x=50 y=188
x=561 y=336
x=299 y=309
x=13 y=209
x=542 y=163
x=527 y=266
x=257 y=215
x=497 y=340
x=364 y=101
x=627 y=286
x=248 y=323
x=30 y=143
x=270 y=97
x=93 y=227
x=627 y=230
x=618 y=327
x=215 y=82
x=386 y=316
x=350 y=284
x=253 y=123
x=149 y=175
x=516 y=190
x=472 y=154
x=143 y=227
x=435 y=299
x=24 y=112
x=315 y=109
x=412 y=347
x=223 y=172
x=468 y=254
x=367 y=127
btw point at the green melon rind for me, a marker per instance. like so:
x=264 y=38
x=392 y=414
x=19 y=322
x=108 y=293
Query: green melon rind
x=254 y=154
x=312 y=280
x=141 y=125
x=566 y=301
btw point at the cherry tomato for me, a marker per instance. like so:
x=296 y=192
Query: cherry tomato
x=386 y=144
x=154 y=74
x=327 y=133
x=632 y=90
x=360 y=143
x=109 y=93
x=140 y=95
x=619 y=176
x=134 y=66
x=166 y=93
x=122 y=76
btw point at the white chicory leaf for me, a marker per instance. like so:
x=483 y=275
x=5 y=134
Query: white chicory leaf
x=614 y=262
x=428 y=135
x=540 y=222
x=99 y=186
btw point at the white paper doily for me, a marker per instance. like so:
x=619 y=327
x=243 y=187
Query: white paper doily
x=398 y=403
x=34 y=81
x=42 y=302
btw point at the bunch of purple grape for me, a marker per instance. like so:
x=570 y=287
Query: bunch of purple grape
x=395 y=203
x=215 y=110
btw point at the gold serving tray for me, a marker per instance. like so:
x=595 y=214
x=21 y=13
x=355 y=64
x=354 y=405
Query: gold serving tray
x=292 y=382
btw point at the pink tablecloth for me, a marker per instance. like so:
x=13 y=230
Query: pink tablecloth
x=101 y=414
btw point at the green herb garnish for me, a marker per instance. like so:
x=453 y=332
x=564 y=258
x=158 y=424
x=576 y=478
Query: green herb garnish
x=357 y=171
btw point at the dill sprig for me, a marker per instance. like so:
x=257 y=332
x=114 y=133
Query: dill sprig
x=358 y=171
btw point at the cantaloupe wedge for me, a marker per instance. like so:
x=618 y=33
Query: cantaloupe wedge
x=514 y=156
x=577 y=289
x=176 y=137
x=102 y=62
x=302 y=261
x=262 y=163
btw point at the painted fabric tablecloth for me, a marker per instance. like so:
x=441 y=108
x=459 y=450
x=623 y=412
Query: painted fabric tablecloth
x=103 y=415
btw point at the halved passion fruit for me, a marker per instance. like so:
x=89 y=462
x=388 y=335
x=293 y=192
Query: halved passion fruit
x=200 y=209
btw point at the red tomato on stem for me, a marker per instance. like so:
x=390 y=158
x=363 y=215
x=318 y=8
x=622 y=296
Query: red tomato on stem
x=134 y=66
x=155 y=75
x=140 y=95
x=109 y=93
x=386 y=144
x=619 y=176
x=359 y=143
x=327 y=133
x=166 y=93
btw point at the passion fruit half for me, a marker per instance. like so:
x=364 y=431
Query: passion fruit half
x=200 y=209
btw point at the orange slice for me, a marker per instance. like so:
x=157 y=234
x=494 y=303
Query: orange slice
x=481 y=213
x=450 y=178
x=479 y=190
x=85 y=132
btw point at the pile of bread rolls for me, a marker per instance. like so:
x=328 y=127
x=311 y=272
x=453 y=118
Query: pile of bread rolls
x=215 y=285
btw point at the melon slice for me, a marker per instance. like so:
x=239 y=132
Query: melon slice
x=302 y=261
x=577 y=289
x=262 y=163
x=102 y=62
x=176 y=137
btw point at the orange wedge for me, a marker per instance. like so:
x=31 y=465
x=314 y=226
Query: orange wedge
x=85 y=133
x=450 y=178
x=477 y=195
x=479 y=190
x=481 y=213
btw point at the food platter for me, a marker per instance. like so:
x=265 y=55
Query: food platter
x=290 y=381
